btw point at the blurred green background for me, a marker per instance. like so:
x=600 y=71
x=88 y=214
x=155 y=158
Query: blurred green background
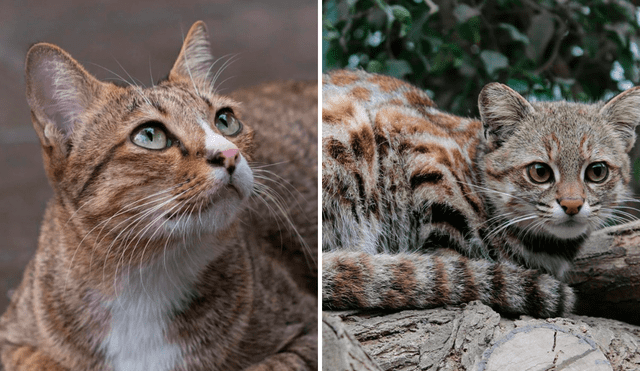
x=545 y=50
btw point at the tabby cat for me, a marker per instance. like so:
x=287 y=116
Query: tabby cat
x=421 y=208
x=146 y=260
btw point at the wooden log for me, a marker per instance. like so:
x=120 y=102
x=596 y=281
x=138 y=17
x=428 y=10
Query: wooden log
x=606 y=277
x=474 y=337
x=606 y=274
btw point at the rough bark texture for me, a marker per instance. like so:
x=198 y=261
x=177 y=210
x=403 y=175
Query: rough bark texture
x=474 y=337
x=606 y=275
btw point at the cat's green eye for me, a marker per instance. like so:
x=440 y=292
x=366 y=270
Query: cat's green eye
x=540 y=173
x=597 y=172
x=228 y=124
x=151 y=137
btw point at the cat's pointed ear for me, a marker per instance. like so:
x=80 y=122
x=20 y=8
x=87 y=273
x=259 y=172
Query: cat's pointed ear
x=59 y=91
x=623 y=112
x=501 y=109
x=195 y=59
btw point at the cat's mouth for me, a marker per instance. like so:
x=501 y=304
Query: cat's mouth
x=225 y=193
x=568 y=229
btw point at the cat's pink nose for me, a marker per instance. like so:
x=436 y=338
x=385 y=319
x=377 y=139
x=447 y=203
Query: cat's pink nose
x=226 y=158
x=233 y=152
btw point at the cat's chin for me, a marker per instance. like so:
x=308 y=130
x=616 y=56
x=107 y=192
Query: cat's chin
x=567 y=230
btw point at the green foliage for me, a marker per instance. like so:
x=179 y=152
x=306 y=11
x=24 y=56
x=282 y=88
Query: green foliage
x=549 y=49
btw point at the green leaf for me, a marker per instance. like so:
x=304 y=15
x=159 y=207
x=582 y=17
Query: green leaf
x=397 y=68
x=375 y=66
x=521 y=86
x=636 y=170
x=334 y=56
x=402 y=15
x=331 y=13
x=514 y=33
x=621 y=29
x=464 y=12
x=471 y=30
x=493 y=61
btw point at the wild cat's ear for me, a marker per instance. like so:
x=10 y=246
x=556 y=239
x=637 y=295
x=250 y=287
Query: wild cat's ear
x=501 y=109
x=623 y=112
x=195 y=59
x=59 y=91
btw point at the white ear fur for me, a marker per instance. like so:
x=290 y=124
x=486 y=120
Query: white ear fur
x=623 y=111
x=501 y=110
x=195 y=59
x=59 y=90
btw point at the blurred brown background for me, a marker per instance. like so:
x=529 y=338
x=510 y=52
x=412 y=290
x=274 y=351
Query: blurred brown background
x=274 y=40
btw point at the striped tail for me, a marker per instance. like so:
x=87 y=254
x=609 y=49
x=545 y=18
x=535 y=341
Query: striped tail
x=356 y=280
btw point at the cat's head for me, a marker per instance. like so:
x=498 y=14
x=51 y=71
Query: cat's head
x=170 y=159
x=557 y=168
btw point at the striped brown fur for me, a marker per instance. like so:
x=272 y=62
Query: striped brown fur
x=460 y=215
x=147 y=259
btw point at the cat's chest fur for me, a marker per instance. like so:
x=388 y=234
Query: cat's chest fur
x=147 y=299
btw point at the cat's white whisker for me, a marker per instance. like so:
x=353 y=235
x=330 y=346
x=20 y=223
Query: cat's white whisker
x=130 y=227
x=213 y=87
x=124 y=209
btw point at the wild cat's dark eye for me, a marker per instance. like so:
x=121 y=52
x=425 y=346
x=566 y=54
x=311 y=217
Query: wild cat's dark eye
x=227 y=123
x=540 y=173
x=597 y=172
x=151 y=137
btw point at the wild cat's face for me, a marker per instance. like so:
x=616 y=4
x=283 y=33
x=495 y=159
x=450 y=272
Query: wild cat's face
x=141 y=164
x=557 y=168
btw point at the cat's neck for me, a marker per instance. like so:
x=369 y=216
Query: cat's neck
x=148 y=297
x=168 y=277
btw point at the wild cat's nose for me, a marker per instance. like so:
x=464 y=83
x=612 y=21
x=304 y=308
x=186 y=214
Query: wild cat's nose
x=571 y=206
x=226 y=158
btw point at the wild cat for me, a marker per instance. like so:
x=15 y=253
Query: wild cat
x=421 y=208
x=145 y=258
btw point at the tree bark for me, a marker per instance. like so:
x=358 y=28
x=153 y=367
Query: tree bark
x=606 y=274
x=606 y=277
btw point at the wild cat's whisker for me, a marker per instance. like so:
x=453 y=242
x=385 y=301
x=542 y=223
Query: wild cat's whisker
x=495 y=219
x=485 y=189
x=508 y=224
x=623 y=215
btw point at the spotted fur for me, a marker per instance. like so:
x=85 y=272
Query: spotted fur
x=423 y=208
x=146 y=259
